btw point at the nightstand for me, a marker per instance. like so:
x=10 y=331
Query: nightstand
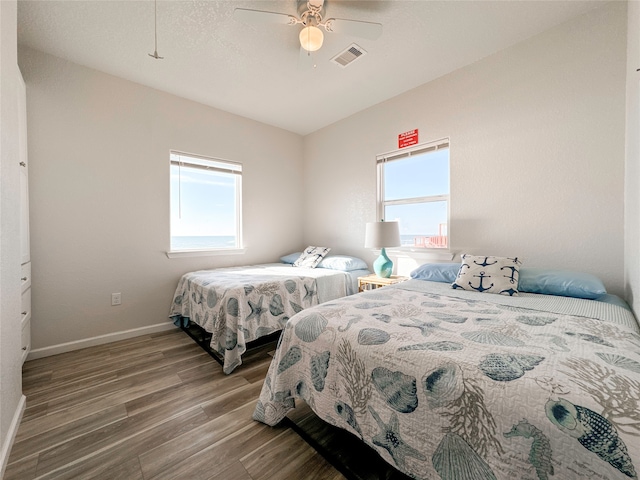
x=370 y=282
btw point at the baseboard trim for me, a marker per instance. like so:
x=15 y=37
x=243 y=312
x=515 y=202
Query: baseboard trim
x=99 y=340
x=11 y=435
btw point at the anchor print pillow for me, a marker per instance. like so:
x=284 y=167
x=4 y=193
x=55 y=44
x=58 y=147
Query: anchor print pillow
x=311 y=257
x=488 y=274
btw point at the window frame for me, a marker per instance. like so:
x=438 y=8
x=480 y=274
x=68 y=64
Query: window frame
x=401 y=154
x=217 y=165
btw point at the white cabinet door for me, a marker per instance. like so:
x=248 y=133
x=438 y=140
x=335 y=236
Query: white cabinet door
x=25 y=276
x=24 y=172
x=26 y=339
x=25 y=250
x=25 y=322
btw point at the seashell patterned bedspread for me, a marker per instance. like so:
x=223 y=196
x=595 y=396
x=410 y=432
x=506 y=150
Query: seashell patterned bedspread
x=467 y=386
x=241 y=304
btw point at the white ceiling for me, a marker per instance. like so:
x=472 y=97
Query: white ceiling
x=253 y=70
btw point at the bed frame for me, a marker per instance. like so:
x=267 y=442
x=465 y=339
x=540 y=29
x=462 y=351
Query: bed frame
x=203 y=339
x=345 y=452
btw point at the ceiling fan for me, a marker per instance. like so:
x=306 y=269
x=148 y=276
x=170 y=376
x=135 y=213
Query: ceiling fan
x=311 y=16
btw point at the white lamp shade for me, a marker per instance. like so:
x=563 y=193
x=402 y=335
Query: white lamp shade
x=382 y=235
x=311 y=38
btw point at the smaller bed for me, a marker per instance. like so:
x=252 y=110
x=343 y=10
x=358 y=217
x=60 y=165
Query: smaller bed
x=238 y=305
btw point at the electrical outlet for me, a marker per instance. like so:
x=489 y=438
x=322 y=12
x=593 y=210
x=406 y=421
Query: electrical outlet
x=116 y=299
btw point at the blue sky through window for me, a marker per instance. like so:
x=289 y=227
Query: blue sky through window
x=203 y=203
x=418 y=176
x=418 y=219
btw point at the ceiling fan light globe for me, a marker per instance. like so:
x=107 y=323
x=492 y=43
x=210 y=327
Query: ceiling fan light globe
x=311 y=38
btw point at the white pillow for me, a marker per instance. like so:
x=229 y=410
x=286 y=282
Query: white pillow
x=311 y=257
x=489 y=274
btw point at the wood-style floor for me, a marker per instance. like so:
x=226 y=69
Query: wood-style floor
x=153 y=407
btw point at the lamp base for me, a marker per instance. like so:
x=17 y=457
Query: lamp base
x=383 y=266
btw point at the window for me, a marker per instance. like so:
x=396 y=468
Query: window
x=205 y=203
x=413 y=188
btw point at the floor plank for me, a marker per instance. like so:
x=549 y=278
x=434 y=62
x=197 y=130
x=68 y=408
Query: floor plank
x=287 y=457
x=67 y=414
x=152 y=407
x=69 y=431
x=236 y=471
x=101 y=461
x=193 y=443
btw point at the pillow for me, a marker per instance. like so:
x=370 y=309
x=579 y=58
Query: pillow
x=311 y=257
x=488 y=274
x=613 y=300
x=561 y=282
x=344 y=263
x=291 y=258
x=437 y=272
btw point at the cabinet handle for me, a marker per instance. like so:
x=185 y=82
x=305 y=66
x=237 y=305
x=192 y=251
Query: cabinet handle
x=24 y=348
x=24 y=279
x=24 y=313
x=22 y=164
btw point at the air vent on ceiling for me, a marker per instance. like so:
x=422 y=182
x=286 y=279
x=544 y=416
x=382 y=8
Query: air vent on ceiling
x=348 y=56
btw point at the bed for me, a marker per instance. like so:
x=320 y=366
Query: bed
x=234 y=306
x=448 y=383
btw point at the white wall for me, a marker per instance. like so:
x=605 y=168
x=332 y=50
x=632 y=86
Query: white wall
x=99 y=196
x=537 y=152
x=632 y=171
x=537 y=168
x=10 y=331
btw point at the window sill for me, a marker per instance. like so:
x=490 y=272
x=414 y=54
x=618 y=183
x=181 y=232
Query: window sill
x=442 y=254
x=205 y=253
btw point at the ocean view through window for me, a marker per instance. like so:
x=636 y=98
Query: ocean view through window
x=413 y=189
x=205 y=203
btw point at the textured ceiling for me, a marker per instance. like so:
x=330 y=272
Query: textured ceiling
x=255 y=70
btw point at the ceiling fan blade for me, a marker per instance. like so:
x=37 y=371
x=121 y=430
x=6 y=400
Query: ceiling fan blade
x=369 y=30
x=318 y=4
x=259 y=16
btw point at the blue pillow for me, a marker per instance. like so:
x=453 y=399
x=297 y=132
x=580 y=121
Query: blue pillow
x=532 y=280
x=292 y=257
x=560 y=282
x=436 y=272
x=344 y=263
x=614 y=300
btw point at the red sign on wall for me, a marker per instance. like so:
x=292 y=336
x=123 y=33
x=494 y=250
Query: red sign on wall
x=407 y=139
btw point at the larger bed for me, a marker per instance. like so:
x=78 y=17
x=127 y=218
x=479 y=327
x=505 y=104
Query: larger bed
x=239 y=305
x=460 y=385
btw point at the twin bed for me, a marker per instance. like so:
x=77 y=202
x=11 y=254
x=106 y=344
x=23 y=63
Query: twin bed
x=227 y=308
x=456 y=384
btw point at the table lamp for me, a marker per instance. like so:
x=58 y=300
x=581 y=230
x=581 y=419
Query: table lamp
x=380 y=235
